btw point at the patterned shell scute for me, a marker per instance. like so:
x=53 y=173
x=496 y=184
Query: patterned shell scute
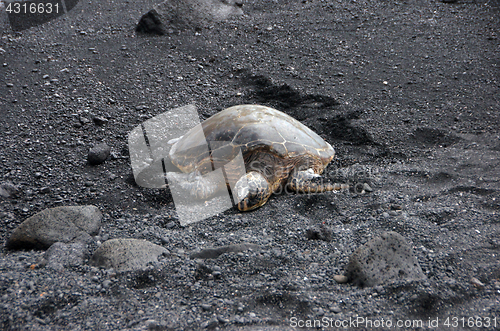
x=251 y=127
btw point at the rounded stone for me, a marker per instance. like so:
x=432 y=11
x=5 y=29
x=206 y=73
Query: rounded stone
x=341 y=279
x=98 y=154
x=60 y=224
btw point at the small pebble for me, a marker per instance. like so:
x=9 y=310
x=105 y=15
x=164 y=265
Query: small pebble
x=476 y=282
x=205 y=306
x=341 y=279
x=396 y=207
x=367 y=187
x=45 y=190
x=99 y=120
x=222 y=319
x=335 y=309
x=98 y=154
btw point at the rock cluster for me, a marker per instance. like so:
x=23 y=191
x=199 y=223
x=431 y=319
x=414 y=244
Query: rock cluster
x=66 y=232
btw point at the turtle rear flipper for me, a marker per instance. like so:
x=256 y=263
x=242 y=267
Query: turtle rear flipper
x=152 y=174
x=252 y=191
x=194 y=185
x=306 y=181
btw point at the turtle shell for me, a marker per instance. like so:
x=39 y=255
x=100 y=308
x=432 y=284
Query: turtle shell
x=251 y=129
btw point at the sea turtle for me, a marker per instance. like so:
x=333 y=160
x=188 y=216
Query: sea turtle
x=278 y=153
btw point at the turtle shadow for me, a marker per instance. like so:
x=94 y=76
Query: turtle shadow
x=308 y=108
x=284 y=97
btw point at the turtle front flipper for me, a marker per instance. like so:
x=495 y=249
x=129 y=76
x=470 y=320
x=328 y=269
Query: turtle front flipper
x=306 y=181
x=195 y=185
x=252 y=191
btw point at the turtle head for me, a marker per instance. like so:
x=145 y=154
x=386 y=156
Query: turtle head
x=252 y=191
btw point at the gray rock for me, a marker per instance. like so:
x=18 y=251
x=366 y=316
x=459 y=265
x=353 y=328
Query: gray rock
x=321 y=232
x=367 y=187
x=384 y=259
x=98 y=154
x=61 y=255
x=127 y=254
x=187 y=14
x=215 y=252
x=335 y=309
x=152 y=23
x=100 y=120
x=341 y=279
x=63 y=224
x=9 y=190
